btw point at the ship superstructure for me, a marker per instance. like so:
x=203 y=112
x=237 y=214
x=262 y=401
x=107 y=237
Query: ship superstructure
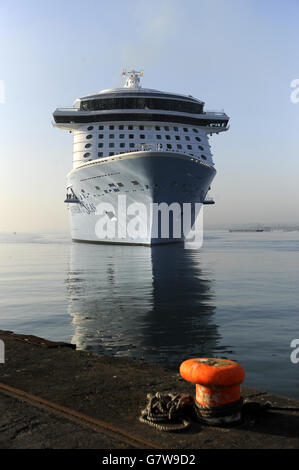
x=150 y=146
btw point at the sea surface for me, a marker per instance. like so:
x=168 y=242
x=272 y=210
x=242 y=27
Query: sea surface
x=237 y=297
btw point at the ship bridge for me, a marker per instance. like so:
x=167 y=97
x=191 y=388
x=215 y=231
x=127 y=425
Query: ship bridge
x=132 y=102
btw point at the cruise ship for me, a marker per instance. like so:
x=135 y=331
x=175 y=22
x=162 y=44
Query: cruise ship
x=141 y=162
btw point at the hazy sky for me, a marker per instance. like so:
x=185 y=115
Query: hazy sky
x=236 y=55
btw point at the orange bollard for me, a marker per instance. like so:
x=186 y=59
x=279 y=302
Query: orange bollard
x=218 y=399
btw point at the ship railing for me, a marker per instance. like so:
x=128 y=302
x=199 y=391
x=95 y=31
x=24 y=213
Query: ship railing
x=216 y=112
x=67 y=109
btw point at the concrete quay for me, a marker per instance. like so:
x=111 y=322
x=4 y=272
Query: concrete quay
x=55 y=397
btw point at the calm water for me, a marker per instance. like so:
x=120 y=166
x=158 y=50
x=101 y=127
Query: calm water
x=237 y=298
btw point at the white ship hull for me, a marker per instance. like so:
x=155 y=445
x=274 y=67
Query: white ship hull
x=139 y=177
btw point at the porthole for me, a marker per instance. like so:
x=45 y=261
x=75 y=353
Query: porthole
x=204 y=157
x=195 y=130
x=97 y=187
x=158 y=136
x=187 y=137
x=177 y=137
x=179 y=146
x=90 y=128
x=169 y=146
x=89 y=136
x=167 y=137
x=166 y=128
x=185 y=129
x=189 y=147
x=175 y=129
x=198 y=139
x=86 y=155
x=200 y=147
x=87 y=146
x=135 y=182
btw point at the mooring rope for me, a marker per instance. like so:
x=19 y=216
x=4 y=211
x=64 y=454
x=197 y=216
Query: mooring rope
x=167 y=411
x=174 y=412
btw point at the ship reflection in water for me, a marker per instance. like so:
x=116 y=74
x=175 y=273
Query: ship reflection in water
x=153 y=304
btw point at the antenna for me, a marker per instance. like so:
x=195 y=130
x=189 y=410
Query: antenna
x=133 y=78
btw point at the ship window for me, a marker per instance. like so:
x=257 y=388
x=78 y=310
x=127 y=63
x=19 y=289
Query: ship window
x=86 y=155
x=111 y=185
x=200 y=147
x=135 y=182
x=198 y=139
x=90 y=128
x=158 y=136
x=111 y=136
x=167 y=137
x=130 y=128
x=185 y=129
x=89 y=136
x=166 y=128
x=116 y=190
x=179 y=146
x=204 y=157
x=169 y=146
x=100 y=145
x=158 y=128
x=121 y=127
x=121 y=136
x=150 y=103
x=195 y=130
x=187 y=137
x=189 y=147
x=141 y=128
x=87 y=146
x=110 y=154
x=142 y=136
x=120 y=185
x=97 y=187
x=82 y=191
x=132 y=144
x=111 y=128
x=175 y=129
x=131 y=136
x=111 y=145
x=122 y=144
x=101 y=128
x=100 y=154
x=101 y=136
x=177 y=137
